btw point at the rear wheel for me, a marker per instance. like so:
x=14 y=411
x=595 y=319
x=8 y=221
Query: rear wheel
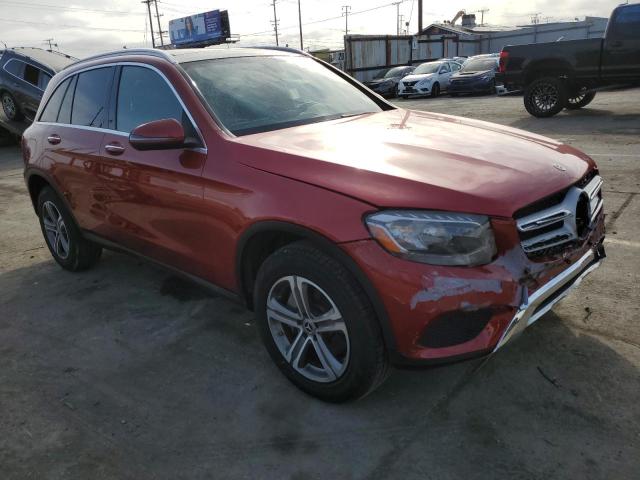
x=318 y=325
x=545 y=97
x=581 y=99
x=10 y=107
x=62 y=236
x=435 y=90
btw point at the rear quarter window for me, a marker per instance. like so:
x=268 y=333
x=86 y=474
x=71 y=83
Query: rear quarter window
x=50 y=112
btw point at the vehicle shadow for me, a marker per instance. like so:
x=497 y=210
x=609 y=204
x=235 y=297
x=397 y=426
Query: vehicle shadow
x=127 y=371
x=571 y=122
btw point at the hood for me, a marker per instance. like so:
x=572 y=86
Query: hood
x=417 y=77
x=477 y=73
x=377 y=81
x=407 y=159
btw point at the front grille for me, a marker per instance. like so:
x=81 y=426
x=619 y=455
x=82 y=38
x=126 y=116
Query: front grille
x=562 y=219
x=409 y=84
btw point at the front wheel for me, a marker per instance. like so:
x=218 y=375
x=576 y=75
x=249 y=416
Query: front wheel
x=582 y=99
x=435 y=90
x=545 y=97
x=318 y=325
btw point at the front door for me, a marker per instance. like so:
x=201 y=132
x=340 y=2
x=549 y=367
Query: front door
x=621 y=50
x=154 y=202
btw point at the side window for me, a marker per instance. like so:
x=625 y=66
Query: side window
x=627 y=22
x=50 y=112
x=89 y=103
x=31 y=74
x=445 y=68
x=455 y=66
x=143 y=96
x=15 y=67
x=44 y=80
x=65 y=109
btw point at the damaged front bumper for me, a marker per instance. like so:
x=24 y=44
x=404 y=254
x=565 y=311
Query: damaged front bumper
x=542 y=300
x=437 y=314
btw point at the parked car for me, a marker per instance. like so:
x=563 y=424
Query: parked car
x=361 y=234
x=429 y=78
x=459 y=60
x=386 y=81
x=567 y=74
x=24 y=75
x=477 y=75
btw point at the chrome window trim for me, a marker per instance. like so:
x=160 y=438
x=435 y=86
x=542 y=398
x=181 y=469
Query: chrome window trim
x=4 y=67
x=118 y=132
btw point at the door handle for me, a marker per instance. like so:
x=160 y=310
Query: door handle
x=54 y=139
x=114 y=148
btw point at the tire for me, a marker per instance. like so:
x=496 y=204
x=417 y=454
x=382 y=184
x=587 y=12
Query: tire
x=545 y=97
x=435 y=90
x=580 y=100
x=10 y=107
x=357 y=361
x=62 y=235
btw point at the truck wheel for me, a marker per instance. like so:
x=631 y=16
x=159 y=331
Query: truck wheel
x=545 y=97
x=318 y=324
x=580 y=100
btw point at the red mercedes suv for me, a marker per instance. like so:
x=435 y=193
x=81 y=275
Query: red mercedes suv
x=363 y=235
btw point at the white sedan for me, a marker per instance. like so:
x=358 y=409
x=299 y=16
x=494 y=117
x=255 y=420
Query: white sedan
x=429 y=78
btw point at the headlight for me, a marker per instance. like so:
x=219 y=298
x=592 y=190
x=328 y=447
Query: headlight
x=437 y=238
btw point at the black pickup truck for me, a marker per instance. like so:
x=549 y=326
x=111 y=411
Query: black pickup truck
x=566 y=74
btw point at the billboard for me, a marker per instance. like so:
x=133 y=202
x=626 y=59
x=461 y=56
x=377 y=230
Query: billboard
x=201 y=29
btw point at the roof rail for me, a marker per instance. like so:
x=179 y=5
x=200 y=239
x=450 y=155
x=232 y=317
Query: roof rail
x=284 y=49
x=127 y=51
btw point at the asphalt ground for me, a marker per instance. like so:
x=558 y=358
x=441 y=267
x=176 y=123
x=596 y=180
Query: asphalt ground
x=127 y=371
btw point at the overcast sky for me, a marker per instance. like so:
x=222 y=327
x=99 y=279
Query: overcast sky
x=83 y=27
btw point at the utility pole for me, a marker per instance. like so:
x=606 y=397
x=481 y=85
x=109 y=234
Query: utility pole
x=482 y=12
x=397 y=4
x=153 y=40
x=300 y=24
x=419 y=16
x=160 y=32
x=275 y=22
x=345 y=13
x=50 y=42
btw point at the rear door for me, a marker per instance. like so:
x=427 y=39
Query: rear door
x=154 y=199
x=75 y=121
x=621 y=49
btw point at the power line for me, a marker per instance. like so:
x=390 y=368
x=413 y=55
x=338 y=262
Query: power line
x=322 y=20
x=70 y=9
x=60 y=25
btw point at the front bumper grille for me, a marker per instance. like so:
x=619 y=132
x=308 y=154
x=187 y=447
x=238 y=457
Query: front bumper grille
x=561 y=219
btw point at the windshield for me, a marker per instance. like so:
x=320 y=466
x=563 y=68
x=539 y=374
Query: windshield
x=258 y=94
x=427 y=68
x=480 y=64
x=392 y=72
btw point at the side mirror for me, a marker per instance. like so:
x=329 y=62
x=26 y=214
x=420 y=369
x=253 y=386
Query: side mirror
x=157 y=135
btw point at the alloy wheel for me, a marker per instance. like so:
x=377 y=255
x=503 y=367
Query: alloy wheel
x=9 y=106
x=56 y=231
x=308 y=329
x=545 y=97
